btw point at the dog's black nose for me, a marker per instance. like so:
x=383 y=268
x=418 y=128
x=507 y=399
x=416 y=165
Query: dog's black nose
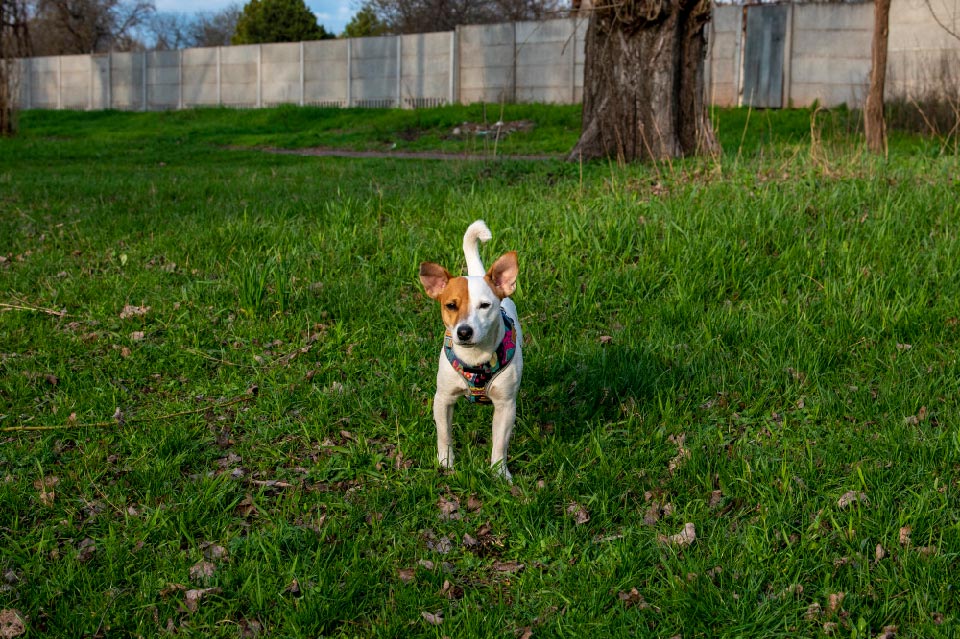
x=464 y=333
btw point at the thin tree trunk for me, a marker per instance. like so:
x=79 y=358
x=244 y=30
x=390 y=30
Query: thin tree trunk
x=874 y=124
x=644 y=92
x=13 y=45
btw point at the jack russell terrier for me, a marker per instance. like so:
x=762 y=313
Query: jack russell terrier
x=481 y=357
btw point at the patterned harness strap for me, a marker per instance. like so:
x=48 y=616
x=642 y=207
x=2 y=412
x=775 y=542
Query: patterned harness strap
x=477 y=377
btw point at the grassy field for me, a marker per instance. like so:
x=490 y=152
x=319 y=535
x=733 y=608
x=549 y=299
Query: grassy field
x=216 y=368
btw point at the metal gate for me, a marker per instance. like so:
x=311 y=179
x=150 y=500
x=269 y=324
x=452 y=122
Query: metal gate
x=763 y=55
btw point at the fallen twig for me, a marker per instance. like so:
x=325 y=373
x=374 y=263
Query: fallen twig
x=229 y=402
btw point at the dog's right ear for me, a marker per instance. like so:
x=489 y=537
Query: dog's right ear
x=434 y=278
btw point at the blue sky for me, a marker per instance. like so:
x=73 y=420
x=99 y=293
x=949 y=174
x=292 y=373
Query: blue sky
x=332 y=14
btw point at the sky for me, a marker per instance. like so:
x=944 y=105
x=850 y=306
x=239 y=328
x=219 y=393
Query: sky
x=332 y=14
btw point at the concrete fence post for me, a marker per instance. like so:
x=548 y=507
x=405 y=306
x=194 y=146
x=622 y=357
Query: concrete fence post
x=454 y=64
x=349 y=72
x=180 y=80
x=59 y=82
x=109 y=79
x=573 y=61
x=399 y=70
x=29 y=83
x=515 y=47
x=92 y=75
x=785 y=100
x=259 y=75
x=302 y=82
x=143 y=72
x=219 y=82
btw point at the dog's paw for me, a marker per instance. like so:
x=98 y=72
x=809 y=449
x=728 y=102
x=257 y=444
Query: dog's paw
x=500 y=468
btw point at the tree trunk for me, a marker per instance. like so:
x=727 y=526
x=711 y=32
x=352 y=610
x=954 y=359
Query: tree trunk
x=874 y=124
x=13 y=45
x=643 y=94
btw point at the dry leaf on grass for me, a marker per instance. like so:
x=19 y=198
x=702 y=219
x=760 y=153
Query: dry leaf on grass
x=202 y=571
x=834 y=602
x=86 y=549
x=578 y=512
x=451 y=591
x=852 y=497
x=684 y=538
x=406 y=575
x=880 y=553
x=193 y=597
x=448 y=508
x=213 y=551
x=905 y=535
x=434 y=619
x=508 y=566
x=11 y=624
x=633 y=598
x=45 y=486
x=133 y=311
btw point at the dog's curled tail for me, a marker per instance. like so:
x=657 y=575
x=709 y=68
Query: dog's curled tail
x=476 y=233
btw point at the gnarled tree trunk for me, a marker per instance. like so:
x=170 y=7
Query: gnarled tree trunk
x=643 y=94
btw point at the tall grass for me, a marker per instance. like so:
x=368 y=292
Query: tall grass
x=763 y=345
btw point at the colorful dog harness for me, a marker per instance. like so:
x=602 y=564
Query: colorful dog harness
x=477 y=377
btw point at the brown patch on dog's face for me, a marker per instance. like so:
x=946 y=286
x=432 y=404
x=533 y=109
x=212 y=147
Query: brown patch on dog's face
x=454 y=301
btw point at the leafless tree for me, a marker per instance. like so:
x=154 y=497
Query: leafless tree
x=170 y=31
x=63 y=27
x=214 y=29
x=425 y=16
x=643 y=94
x=13 y=45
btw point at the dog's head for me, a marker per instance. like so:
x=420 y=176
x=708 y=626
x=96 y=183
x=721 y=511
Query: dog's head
x=470 y=306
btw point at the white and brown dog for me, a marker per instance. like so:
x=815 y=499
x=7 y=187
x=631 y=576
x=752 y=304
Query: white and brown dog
x=481 y=357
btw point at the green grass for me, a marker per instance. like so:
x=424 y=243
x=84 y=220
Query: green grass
x=790 y=309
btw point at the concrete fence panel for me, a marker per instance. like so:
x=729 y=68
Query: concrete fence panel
x=826 y=53
x=280 y=73
x=426 y=64
x=240 y=80
x=200 y=73
x=488 y=63
x=830 y=61
x=163 y=80
x=326 y=72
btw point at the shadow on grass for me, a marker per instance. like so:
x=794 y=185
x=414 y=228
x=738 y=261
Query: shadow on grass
x=565 y=395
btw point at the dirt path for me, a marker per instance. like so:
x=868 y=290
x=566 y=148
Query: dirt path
x=403 y=155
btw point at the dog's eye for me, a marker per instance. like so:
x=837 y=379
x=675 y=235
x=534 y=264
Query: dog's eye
x=451 y=306
x=484 y=305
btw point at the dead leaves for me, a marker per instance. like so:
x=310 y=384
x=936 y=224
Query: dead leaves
x=129 y=311
x=193 y=597
x=11 y=624
x=432 y=618
x=45 y=487
x=682 y=539
x=852 y=497
x=578 y=512
x=633 y=599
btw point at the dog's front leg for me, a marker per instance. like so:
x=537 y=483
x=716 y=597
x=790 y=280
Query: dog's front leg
x=443 y=416
x=504 y=416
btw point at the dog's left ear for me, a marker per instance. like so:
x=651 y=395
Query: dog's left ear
x=434 y=278
x=502 y=276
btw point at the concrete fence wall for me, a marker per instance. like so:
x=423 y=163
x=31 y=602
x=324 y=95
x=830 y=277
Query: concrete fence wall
x=826 y=59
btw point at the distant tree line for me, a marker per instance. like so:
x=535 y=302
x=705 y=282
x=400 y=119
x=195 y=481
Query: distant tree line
x=64 y=27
